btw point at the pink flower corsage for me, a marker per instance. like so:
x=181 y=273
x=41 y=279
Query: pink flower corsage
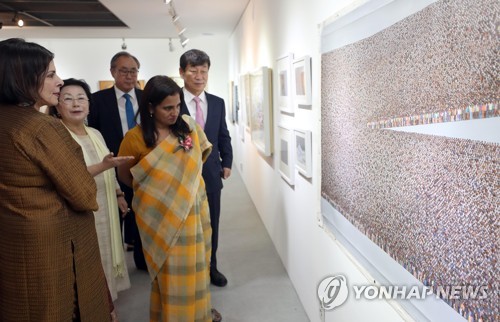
x=185 y=142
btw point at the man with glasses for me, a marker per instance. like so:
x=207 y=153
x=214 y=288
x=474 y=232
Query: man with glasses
x=113 y=112
x=209 y=111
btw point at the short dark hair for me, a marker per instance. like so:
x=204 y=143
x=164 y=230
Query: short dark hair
x=155 y=91
x=112 y=64
x=79 y=82
x=194 y=57
x=23 y=66
x=73 y=82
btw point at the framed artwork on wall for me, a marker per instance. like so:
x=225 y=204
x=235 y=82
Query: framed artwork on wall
x=286 y=157
x=104 y=84
x=243 y=106
x=261 y=110
x=230 y=106
x=303 y=152
x=245 y=100
x=236 y=103
x=376 y=219
x=284 y=83
x=302 y=82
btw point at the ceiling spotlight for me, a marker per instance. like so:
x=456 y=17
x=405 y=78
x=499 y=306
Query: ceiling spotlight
x=124 y=45
x=18 y=21
x=183 y=39
x=180 y=29
x=171 y=47
x=175 y=18
x=167 y=1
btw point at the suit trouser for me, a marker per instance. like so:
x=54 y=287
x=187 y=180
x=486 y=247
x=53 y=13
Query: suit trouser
x=128 y=223
x=214 y=205
x=131 y=232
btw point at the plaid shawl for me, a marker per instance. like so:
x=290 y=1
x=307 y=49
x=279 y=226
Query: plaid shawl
x=166 y=183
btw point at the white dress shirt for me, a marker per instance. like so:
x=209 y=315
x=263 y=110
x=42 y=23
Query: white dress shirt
x=121 y=107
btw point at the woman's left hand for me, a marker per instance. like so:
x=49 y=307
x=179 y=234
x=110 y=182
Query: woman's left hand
x=110 y=161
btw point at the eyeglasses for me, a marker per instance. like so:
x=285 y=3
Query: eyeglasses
x=69 y=100
x=125 y=72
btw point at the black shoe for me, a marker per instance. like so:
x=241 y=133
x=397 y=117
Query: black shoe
x=216 y=278
x=216 y=317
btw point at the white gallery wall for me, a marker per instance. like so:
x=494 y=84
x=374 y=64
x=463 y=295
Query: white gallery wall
x=267 y=31
x=89 y=59
x=291 y=213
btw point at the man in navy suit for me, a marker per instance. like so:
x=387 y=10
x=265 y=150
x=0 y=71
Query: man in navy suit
x=113 y=112
x=210 y=112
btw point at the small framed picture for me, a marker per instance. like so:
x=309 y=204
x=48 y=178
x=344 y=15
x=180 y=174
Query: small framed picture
x=286 y=159
x=245 y=100
x=261 y=113
x=284 y=83
x=303 y=153
x=236 y=103
x=302 y=82
x=230 y=106
x=103 y=84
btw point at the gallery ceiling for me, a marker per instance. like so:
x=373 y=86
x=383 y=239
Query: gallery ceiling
x=118 y=18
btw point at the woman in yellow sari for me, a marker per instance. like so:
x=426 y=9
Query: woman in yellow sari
x=170 y=203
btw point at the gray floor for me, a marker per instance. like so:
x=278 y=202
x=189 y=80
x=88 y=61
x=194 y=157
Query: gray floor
x=259 y=288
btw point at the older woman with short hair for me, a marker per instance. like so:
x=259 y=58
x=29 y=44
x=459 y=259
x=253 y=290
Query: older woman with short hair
x=72 y=109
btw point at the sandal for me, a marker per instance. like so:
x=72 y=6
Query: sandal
x=216 y=317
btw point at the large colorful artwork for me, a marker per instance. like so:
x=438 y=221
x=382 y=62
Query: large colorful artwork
x=430 y=202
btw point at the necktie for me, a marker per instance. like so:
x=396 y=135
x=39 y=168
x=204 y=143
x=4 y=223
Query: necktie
x=129 y=110
x=199 y=113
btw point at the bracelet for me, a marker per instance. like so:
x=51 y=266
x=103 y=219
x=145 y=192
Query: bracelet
x=120 y=194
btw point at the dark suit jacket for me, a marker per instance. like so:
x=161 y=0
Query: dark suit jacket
x=105 y=117
x=217 y=133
